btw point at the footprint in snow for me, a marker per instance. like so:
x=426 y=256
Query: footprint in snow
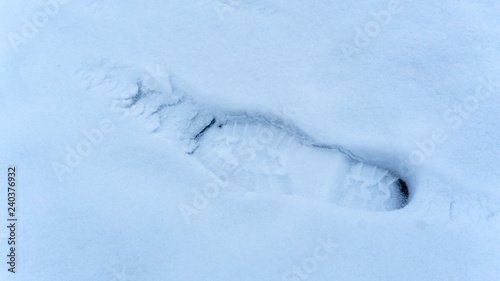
x=261 y=153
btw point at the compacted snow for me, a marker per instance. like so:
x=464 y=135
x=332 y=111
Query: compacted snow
x=251 y=140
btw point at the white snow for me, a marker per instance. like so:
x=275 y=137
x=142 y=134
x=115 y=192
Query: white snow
x=105 y=183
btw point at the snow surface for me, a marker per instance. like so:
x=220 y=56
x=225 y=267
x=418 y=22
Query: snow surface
x=418 y=97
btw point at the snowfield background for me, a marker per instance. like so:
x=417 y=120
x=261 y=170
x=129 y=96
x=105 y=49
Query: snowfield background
x=111 y=109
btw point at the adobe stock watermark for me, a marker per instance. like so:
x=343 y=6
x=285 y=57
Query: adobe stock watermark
x=364 y=36
x=75 y=155
x=32 y=25
x=225 y=7
x=309 y=265
x=244 y=152
x=125 y=273
x=453 y=119
x=155 y=79
x=288 y=111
